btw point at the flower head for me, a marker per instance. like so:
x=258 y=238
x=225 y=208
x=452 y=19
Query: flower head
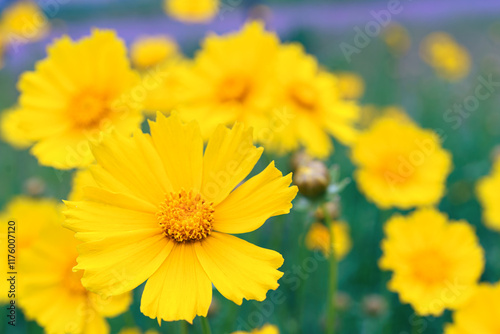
x=450 y=60
x=430 y=256
x=49 y=286
x=192 y=11
x=400 y=164
x=266 y=329
x=479 y=314
x=80 y=90
x=149 y=51
x=489 y=196
x=23 y=22
x=318 y=238
x=163 y=211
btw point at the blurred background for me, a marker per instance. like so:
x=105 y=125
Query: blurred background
x=390 y=59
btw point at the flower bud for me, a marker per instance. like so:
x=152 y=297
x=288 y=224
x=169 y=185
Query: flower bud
x=34 y=186
x=374 y=305
x=333 y=210
x=300 y=158
x=312 y=178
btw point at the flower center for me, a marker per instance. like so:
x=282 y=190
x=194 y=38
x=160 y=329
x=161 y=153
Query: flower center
x=185 y=216
x=73 y=280
x=430 y=267
x=88 y=110
x=234 y=89
x=303 y=95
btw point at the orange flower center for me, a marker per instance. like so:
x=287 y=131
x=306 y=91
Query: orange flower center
x=73 y=280
x=234 y=89
x=88 y=110
x=185 y=216
x=430 y=267
x=303 y=95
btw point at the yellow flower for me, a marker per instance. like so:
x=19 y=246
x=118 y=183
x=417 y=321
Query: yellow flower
x=266 y=329
x=11 y=129
x=232 y=79
x=81 y=179
x=350 y=85
x=315 y=103
x=163 y=211
x=489 y=196
x=450 y=60
x=192 y=11
x=168 y=90
x=49 y=287
x=479 y=314
x=400 y=164
x=149 y=51
x=81 y=89
x=436 y=263
x=397 y=39
x=137 y=331
x=30 y=216
x=318 y=238
x=23 y=22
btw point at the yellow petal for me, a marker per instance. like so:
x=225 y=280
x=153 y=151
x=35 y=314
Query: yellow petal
x=112 y=306
x=181 y=149
x=239 y=269
x=265 y=195
x=179 y=289
x=229 y=157
x=118 y=262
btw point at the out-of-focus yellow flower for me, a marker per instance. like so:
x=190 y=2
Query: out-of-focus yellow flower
x=318 y=238
x=170 y=223
x=450 y=60
x=233 y=79
x=436 y=263
x=314 y=103
x=488 y=192
x=12 y=131
x=192 y=11
x=479 y=314
x=397 y=39
x=400 y=164
x=23 y=22
x=137 y=331
x=169 y=88
x=49 y=286
x=81 y=179
x=266 y=329
x=350 y=85
x=79 y=91
x=150 y=51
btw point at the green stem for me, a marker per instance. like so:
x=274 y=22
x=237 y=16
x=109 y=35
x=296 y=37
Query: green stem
x=332 y=281
x=205 y=326
x=183 y=327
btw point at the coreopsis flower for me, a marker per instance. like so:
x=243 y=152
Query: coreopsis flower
x=266 y=329
x=450 y=60
x=23 y=22
x=400 y=164
x=436 y=262
x=318 y=238
x=193 y=11
x=315 y=103
x=150 y=51
x=164 y=211
x=232 y=79
x=489 y=197
x=11 y=129
x=51 y=293
x=350 y=85
x=31 y=216
x=79 y=91
x=479 y=314
x=397 y=39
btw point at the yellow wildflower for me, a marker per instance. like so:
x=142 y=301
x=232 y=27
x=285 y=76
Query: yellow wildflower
x=192 y=11
x=149 y=51
x=489 y=196
x=318 y=238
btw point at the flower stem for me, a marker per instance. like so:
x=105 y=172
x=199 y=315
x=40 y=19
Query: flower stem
x=332 y=280
x=205 y=326
x=183 y=327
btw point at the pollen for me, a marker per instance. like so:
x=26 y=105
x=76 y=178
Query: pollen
x=185 y=216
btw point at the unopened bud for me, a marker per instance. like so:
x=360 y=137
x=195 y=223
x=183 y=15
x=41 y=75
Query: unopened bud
x=34 y=186
x=312 y=178
x=300 y=158
x=342 y=301
x=374 y=305
x=333 y=210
